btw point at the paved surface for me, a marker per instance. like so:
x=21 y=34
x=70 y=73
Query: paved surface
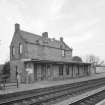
x=101 y=103
x=42 y=84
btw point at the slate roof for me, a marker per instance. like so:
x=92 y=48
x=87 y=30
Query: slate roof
x=29 y=37
x=1 y=67
x=33 y=38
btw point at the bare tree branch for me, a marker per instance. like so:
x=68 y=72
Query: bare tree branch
x=93 y=59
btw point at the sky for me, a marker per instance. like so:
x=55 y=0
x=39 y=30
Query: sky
x=80 y=22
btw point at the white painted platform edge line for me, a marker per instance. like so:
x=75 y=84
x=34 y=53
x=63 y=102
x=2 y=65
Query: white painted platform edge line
x=101 y=102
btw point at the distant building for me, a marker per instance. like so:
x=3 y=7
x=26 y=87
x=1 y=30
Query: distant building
x=100 y=69
x=37 y=58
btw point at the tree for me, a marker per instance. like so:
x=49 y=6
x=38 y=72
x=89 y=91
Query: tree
x=94 y=60
x=6 y=71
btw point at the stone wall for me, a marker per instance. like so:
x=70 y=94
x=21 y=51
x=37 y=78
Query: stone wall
x=19 y=65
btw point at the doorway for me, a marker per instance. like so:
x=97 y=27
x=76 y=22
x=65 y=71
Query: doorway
x=43 y=72
x=35 y=72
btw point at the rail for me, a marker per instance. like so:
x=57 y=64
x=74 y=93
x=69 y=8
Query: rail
x=50 y=94
x=91 y=100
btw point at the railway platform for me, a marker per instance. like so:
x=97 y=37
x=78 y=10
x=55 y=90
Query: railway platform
x=43 y=84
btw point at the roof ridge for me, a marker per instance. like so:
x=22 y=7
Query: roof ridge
x=29 y=33
x=32 y=38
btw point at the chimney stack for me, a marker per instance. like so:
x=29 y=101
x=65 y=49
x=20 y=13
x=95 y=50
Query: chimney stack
x=61 y=39
x=45 y=35
x=17 y=27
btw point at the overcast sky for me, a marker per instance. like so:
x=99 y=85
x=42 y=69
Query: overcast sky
x=80 y=22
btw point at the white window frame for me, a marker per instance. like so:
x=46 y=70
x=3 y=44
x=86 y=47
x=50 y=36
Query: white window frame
x=20 y=48
x=63 y=52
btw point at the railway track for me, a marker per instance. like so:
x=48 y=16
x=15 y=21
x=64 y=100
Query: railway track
x=51 y=94
x=91 y=100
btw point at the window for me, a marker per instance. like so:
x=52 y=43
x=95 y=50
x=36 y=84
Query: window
x=13 y=50
x=61 y=70
x=20 y=48
x=63 y=52
x=67 y=69
x=37 y=41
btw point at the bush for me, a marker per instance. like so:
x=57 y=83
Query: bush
x=6 y=71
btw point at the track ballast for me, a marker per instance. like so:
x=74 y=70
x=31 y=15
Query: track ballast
x=44 y=96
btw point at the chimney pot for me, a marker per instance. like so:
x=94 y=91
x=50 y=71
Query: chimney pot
x=45 y=34
x=61 y=39
x=17 y=27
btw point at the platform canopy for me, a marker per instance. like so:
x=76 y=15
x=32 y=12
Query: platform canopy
x=55 y=62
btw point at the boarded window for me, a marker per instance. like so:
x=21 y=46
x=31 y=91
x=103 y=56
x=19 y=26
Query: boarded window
x=13 y=51
x=67 y=69
x=61 y=70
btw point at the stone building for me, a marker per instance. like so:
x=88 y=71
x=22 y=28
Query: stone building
x=36 y=58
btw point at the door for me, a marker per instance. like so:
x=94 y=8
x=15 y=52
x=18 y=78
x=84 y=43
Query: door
x=43 y=72
x=35 y=71
x=48 y=73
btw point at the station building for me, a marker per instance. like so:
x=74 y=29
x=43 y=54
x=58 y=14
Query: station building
x=35 y=58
